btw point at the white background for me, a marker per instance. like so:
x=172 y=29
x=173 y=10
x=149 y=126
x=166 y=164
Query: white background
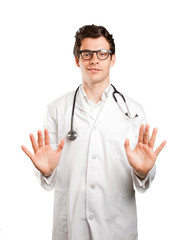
x=37 y=66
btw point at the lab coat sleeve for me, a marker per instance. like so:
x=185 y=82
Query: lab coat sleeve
x=50 y=123
x=47 y=183
x=141 y=185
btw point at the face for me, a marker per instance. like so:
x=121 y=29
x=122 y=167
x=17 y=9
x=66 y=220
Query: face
x=95 y=70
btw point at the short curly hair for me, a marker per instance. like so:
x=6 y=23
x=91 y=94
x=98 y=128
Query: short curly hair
x=92 y=31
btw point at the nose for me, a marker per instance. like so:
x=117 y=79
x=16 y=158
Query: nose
x=94 y=59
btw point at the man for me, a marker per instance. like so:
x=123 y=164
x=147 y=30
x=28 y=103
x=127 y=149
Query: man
x=94 y=176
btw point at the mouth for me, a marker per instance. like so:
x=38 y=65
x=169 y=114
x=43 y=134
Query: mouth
x=94 y=70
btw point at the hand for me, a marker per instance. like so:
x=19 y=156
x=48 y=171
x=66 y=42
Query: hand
x=143 y=157
x=44 y=158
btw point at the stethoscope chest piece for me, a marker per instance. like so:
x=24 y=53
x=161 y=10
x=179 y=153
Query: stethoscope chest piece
x=72 y=135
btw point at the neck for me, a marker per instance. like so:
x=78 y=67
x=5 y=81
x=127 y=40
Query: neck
x=94 y=91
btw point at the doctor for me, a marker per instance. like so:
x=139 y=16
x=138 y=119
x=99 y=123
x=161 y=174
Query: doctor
x=95 y=175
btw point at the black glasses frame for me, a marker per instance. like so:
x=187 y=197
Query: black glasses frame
x=92 y=52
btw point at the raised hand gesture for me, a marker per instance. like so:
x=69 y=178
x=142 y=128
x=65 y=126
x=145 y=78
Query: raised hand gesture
x=143 y=157
x=44 y=158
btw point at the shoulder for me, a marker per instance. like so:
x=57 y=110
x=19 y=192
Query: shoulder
x=135 y=108
x=64 y=99
x=133 y=103
x=60 y=103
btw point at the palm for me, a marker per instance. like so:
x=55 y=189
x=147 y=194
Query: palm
x=143 y=157
x=44 y=158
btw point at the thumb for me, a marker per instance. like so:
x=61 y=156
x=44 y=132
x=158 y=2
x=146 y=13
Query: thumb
x=61 y=145
x=127 y=145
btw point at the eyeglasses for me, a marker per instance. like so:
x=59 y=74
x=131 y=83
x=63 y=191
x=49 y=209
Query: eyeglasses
x=102 y=54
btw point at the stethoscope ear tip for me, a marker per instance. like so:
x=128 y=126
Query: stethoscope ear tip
x=136 y=115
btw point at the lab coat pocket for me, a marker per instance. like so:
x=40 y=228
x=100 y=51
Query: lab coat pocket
x=60 y=227
x=126 y=216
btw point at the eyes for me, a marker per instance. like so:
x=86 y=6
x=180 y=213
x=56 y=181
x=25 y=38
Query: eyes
x=86 y=54
x=102 y=54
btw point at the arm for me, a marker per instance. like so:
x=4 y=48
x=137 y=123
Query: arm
x=46 y=153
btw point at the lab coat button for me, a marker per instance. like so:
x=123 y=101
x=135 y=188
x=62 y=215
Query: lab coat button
x=93 y=156
x=91 y=217
x=92 y=186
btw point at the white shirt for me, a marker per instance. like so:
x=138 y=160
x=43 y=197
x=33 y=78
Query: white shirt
x=95 y=108
x=94 y=192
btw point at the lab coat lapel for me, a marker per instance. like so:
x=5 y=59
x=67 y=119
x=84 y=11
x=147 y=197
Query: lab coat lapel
x=81 y=103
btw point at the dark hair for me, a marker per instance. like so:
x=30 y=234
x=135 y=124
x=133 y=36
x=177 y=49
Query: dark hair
x=92 y=31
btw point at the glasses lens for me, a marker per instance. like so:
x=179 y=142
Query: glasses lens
x=103 y=54
x=87 y=55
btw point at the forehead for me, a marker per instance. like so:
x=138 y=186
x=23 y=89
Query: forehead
x=95 y=43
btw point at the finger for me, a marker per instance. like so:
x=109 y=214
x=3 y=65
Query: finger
x=153 y=138
x=61 y=145
x=141 y=133
x=40 y=139
x=27 y=152
x=34 y=143
x=127 y=146
x=47 y=140
x=146 y=134
x=158 y=150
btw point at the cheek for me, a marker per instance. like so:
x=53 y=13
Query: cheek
x=82 y=64
x=107 y=67
x=82 y=68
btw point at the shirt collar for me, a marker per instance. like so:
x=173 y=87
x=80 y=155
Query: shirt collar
x=103 y=97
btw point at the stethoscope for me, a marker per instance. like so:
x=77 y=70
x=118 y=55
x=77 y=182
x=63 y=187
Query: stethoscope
x=72 y=135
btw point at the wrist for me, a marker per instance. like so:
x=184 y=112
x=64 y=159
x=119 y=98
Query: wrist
x=140 y=174
x=48 y=174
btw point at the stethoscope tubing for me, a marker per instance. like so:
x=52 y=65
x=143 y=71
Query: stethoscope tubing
x=73 y=107
x=72 y=135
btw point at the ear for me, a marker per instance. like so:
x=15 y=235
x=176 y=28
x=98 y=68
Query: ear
x=77 y=61
x=113 y=60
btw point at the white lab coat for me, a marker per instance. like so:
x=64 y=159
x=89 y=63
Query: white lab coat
x=93 y=183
